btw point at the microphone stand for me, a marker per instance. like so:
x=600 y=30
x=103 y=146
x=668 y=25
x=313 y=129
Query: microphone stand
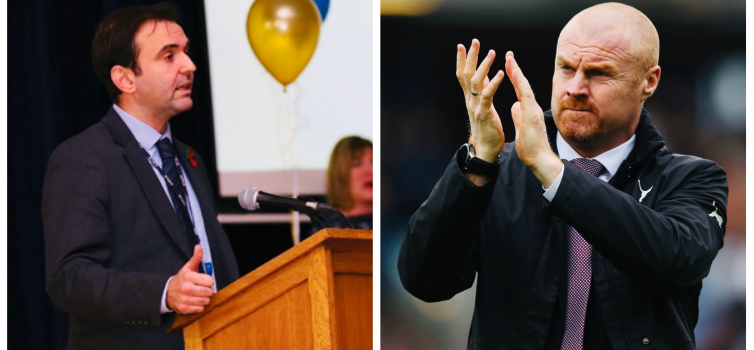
x=327 y=220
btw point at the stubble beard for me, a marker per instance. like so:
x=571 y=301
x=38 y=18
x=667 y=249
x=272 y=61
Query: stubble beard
x=577 y=126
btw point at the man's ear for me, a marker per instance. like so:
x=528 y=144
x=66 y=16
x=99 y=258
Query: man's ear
x=650 y=82
x=123 y=78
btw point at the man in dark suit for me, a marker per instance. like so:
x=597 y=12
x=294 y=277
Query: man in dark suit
x=131 y=233
x=586 y=232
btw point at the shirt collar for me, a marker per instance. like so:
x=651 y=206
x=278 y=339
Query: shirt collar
x=144 y=134
x=610 y=160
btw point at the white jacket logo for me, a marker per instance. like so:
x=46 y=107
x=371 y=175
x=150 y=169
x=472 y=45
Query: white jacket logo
x=643 y=193
x=717 y=216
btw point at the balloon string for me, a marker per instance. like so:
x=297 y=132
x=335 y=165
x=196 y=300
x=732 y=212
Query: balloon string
x=290 y=127
x=297 y=123
x=293 y=122
x=300 y=121
x=279 y=118
x=289 y=121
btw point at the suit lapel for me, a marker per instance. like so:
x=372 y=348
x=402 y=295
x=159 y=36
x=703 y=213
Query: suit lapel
x=150 y=186
x=196 y=180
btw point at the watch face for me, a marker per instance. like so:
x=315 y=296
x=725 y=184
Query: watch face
x=465 y=154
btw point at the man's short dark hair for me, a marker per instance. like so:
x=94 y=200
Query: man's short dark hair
x=114 y=42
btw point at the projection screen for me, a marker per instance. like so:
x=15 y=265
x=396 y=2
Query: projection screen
x=280 y=141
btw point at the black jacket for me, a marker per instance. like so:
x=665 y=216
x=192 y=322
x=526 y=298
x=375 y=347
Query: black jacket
x=112 y=239
x=648 y=261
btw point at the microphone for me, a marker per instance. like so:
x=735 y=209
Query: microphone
x=251 y=198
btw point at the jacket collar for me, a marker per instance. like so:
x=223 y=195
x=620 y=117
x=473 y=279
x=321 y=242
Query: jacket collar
x=143 y=133
x=118 y=129
x=648 y=138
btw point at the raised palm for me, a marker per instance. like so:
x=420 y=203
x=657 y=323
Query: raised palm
x=486 y=129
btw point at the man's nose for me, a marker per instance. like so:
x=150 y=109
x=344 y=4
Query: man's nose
x=578 y=86
x=188 y=65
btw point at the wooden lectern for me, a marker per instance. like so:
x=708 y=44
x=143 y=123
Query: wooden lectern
x=316 y=295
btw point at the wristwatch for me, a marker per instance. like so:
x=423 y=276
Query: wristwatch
x=468 y=161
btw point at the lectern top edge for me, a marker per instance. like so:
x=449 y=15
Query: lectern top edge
x=335 y=239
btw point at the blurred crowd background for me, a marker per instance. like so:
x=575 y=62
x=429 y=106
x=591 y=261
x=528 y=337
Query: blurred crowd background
x=699 y=108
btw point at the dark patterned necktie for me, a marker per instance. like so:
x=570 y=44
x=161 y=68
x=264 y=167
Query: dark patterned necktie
x=177 y=189
x=579 y=274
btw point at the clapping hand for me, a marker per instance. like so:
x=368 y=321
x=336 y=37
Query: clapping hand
x=532 y=146
x=487 y=135
x=486 y=130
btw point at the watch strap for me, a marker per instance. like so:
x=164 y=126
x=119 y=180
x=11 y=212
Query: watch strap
x=476 y=165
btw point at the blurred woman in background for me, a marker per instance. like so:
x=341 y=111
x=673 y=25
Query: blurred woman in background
x=349 y=185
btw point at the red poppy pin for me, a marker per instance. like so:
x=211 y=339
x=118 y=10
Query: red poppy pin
x=192 y=158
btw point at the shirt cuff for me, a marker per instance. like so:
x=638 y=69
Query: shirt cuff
x=164 y=305
x=550 y=192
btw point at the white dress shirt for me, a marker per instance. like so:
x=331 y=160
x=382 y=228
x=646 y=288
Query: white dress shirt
x=611 y=160
x=148 y=138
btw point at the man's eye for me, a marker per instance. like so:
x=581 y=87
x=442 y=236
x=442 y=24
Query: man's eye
x=599 y=73
x=169 y=57
x=567 y=68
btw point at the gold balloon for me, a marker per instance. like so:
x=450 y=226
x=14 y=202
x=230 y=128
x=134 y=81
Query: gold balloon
x=283 y=35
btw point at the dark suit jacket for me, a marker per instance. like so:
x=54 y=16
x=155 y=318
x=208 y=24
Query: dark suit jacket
x=650 y=253
x=112 y=239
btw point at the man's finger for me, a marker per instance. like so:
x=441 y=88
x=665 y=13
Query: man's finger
x=491 y=88
x=471 y=60
x=460 y=65
x=196 y=259
x=200 y=279
x=194 y=289
x=190 y=309
x=477 y=82
x=520 y=84
x=188 y=300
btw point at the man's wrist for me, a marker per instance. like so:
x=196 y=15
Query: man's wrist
x=479 y=180
x=164 y=307
x=547 y=170
x=489 y=157
x=549 y=192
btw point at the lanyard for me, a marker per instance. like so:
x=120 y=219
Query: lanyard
x=170 y=183
x=208 y=267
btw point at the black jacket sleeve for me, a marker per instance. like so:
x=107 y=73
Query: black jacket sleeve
x=439 y=256
x=77 y=247
x=665 y=248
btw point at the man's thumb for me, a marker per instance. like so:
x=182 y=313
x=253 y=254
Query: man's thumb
x=516 y=114
x=193 y=264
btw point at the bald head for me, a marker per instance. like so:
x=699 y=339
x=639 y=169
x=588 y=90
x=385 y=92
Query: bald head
x=624 y=27
x=605 y=68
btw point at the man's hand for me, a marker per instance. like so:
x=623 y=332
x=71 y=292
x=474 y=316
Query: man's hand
x=532 y=146
x=189 y=291
x=486 y=130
